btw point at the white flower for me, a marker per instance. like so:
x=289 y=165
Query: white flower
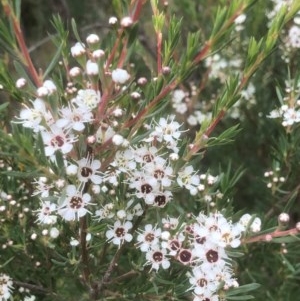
x=41 y=187
x=290 y=116
x=149 y=238
x=119 y=233
x=167 y=130
x=32 y=117
x=57 y=139
x=156 y=258
x=74 y=117
x=74 y=242
x=87 y=98
x=120 y=76
x=294 y=36
x=6 y=286
x=188 y=179
x=45 y=213
x=73 y=206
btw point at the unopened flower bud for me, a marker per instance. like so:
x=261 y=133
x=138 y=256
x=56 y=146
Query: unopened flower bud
x=112 y=20
x=33 y=236
x=45 y=232
x=117 y=139
x=54 y=232
x=98 y=53
x=51 y=87
x=135 y=95
x=21 y=83
x=142 y=81
x=78 y=50
x=120 y=76
x=91 y=139
x=75 y=71
x=126 y=22
x=166 y=70
x=42 y=91
x=92 y=39
x=174 y=157
x=283 y=219
x=92 y=68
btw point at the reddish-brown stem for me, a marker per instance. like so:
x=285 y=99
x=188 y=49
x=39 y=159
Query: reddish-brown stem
x=214 y=124
x=269 y=236
x=113 y=51
x=138 y=8
x=84 y=252
x=203 y=53
x=123 y=54
x=21 y=42
x=104 y=100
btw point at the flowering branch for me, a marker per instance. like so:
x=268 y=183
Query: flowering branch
x=20 y=38
x=269 y=236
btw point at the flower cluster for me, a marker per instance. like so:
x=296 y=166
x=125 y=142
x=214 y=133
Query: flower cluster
x=6 y=286
x=200 y=244
x=289 y=111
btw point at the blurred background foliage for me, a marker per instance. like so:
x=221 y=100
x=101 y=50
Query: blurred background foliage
x=254 y=150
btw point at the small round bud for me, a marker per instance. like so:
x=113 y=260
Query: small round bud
x=78 y=50
x=33 y=236
x=51 y=87
x=21 y=83
x=91 y=139
x=117 y=139
x=135 y=95
x=45 y=232
x=42 y=91
x=120 y=76
x=126 y=22
x=112 y=20
x=165 y=235
x=298 y=226
x=92 y=68
x=92 y=39
x=75 y=71
x=283 y=219
x=166 y=70
x=121 y=214
x=96 y=189
x=117 y=112
x=142 y=81
x=98 y=54
x=54 y=232
x=71 y=170
x=174 y=157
